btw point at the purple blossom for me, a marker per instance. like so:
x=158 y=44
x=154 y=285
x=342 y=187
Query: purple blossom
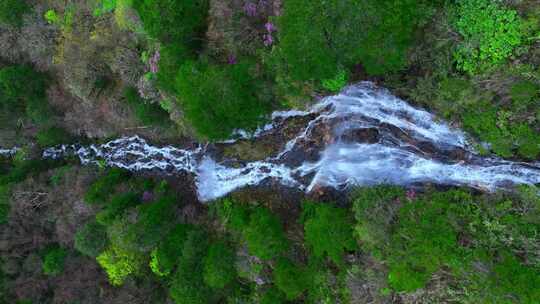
x=268 y=39
x=147 y=196
x=250 y=9
x=231 y=59
x=411 y=194
x=154 y=60
x=270 y=27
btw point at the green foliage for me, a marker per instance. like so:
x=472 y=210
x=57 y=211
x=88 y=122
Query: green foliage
x=337 y=83
x=12 y=11
x=176 y=21
x=165 y=257
x=52 y=136
x=154 y=221
x=317 y=38
x=219 y=268
x=375 y=208
x=91 y=239
x=218 y=100
x=328 y=230
x=52 y=17
x=233 y=214
x=53 y=261
x=290 y=279
x=272 y=296
x=119 y=264
x=482 y=120
x=22 y=90
x=5 y=196
x=523 y=93
x=424 y=239
x=116 y=206
x=147 y=113
x=104 y=6
x=264 y=235
x=100 y=191
x=527 y=139
x=187 y=286
x=490 y=34
x=171 y=58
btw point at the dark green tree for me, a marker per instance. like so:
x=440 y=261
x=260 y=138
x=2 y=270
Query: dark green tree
x=264 y=235
x=91 y=239
x=219 y=268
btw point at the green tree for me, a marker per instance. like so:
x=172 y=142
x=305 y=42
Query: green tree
x=218 y=100
x=219 y=268
x=12 y=11
x=166 y=256
x=177 y=21
x=290 y=279
x=101 y=190
x=147 y=113
x=187 y=285
x=490 y=34
x=53 y=261
x=91 y=239
x=328 y=230
x=264 y=235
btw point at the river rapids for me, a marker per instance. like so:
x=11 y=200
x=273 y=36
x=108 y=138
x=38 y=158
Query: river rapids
x=362 y=136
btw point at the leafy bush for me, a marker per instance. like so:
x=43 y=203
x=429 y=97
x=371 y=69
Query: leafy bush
x=272 y=296
x=290 y=279
x=490 y=34
x=337 y=83
x=52 y=136
x=264 y=235
x=53 y=261
x=12 y=11
x=327 y=230
x=218 y=100
x=100 y=191
x=91 y=239
x=219 y=268
x=174 y=20
x=5 y=196
x=146 y=112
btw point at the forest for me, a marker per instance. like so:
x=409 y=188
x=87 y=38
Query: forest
x=200 y=72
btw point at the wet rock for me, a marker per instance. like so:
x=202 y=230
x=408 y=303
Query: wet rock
x=369 y=136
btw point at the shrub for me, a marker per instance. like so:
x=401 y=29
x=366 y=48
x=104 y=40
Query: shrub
x=53 y=261
x=91 y=239
x=327 y=230
x=52 y=136
x=174 y=20
x=290 y=279
x=218 y=100
x=119 y=264
x=146 y=112
x=5 y=196
x=264 y=235
x=337 y=83
x=219 y=264
x=490 y=34
x=272 y=296
x=100 y=191
x=12 y=11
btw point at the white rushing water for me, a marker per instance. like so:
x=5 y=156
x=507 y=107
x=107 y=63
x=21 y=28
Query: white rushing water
x=392 y=155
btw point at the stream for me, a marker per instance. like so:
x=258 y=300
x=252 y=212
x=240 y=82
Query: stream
x=362 y=136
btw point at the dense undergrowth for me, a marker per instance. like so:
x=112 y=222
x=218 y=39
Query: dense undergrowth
x=421 y=247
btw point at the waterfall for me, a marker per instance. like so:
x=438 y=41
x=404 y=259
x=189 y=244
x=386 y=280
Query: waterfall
x=362 y=136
